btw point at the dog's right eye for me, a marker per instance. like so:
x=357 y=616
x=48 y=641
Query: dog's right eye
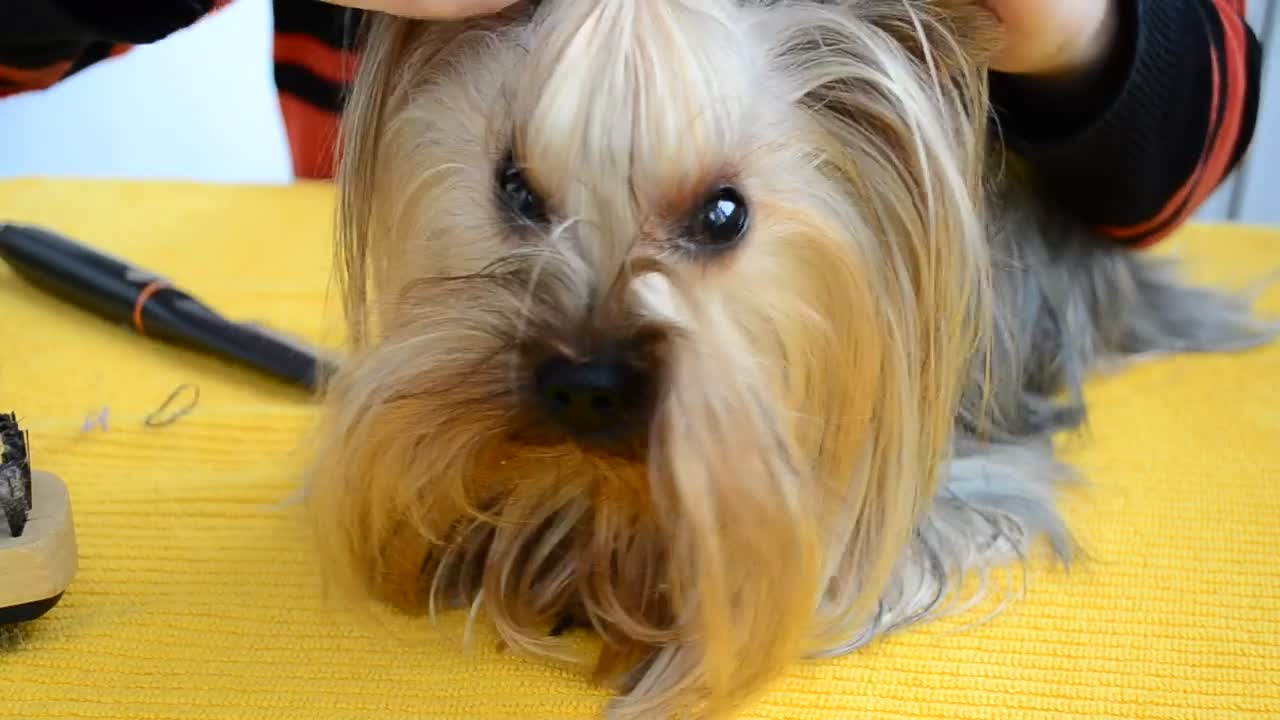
x=516 y=195
x=721 y=220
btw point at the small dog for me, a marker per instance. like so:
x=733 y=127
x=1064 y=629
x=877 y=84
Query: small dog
x=717 y=326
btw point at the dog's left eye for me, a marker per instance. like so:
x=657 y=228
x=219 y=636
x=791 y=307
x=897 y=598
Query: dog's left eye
x=722 y=219
x=517 y=195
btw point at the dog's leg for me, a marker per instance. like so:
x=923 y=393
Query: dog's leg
x=997 y=502
x=1067 y=303
x=1098 y=303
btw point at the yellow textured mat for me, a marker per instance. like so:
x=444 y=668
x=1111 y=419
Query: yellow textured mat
x=196 y=597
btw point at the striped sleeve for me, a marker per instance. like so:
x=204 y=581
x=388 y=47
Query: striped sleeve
x=1166 y=124
x=43 y=42
x=314 y=61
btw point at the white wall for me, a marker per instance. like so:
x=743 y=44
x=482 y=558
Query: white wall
x=201 y=105
x=1250 y=194
x=1257 y=199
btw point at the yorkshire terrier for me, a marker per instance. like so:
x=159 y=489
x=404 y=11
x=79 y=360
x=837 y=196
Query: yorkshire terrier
x=720 y=327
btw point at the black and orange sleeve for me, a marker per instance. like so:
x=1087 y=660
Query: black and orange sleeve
x=1158 y=131
x=43 y=42
x=315 y=58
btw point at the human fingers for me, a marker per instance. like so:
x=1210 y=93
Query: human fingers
x=429 y=9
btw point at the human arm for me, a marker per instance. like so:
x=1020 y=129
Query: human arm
x=1135 y=134
x=43 y=42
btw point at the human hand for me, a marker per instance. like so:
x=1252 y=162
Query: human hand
x=1054 y=38
x=428 y=9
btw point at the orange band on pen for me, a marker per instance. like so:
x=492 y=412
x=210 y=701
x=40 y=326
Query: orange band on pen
x=151 y=289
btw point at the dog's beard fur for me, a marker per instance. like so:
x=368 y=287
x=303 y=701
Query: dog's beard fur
x=851 y=407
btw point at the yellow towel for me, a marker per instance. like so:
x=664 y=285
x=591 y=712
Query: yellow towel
x=196 y=597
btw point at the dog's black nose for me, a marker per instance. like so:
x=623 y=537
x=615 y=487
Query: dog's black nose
x=592 y=400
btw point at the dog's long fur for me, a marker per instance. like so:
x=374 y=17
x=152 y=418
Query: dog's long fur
x=855 y=403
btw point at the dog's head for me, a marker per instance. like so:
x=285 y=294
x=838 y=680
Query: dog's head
x=660 y=314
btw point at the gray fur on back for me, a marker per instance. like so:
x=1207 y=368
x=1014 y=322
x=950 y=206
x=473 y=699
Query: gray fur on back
x=1067 y=304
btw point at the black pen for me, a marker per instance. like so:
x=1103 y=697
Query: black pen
x=122 y=293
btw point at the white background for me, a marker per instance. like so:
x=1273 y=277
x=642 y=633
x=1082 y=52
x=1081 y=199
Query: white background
x=200 y=105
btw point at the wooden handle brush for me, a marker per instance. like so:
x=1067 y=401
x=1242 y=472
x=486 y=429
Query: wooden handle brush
x=38 y=555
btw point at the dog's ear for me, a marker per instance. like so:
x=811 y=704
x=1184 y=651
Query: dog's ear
x=930 y=26
x=394 y=53
x=384 y=41
x=973 y=24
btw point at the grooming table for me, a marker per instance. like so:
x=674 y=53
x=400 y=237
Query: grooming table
x=196 y=596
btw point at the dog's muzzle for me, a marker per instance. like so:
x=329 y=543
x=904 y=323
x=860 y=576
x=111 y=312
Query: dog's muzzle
x=603 y=399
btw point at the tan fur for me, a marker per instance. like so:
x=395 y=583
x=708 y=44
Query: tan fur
x=810 y=376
